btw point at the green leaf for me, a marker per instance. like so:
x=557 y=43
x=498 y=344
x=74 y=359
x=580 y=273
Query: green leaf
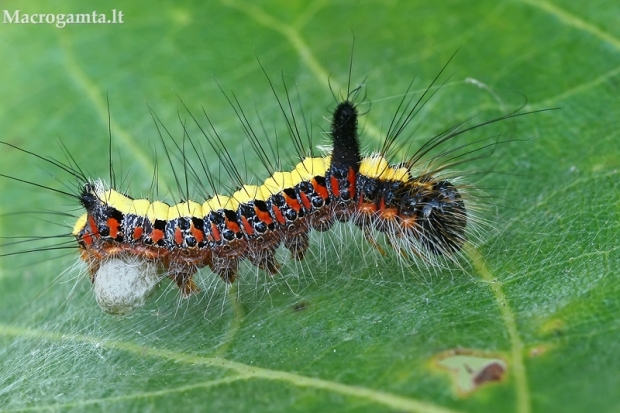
x=534 y=306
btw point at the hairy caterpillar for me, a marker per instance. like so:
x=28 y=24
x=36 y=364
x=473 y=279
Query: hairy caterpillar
x=417 y=203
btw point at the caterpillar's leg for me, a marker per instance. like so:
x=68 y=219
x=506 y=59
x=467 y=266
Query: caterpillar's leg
x=184 y=280
x=370 y=238
x=266 y=260
x=297 y=245
x=226 y=267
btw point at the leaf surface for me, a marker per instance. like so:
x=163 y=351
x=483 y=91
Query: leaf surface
x=347 y=329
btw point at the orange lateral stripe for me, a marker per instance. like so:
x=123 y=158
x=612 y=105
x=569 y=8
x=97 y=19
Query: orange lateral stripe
x=352 y=180
x=178 y=236
x=360 y=201
x=233 y=226
x=198 y=234
x=335 y=186
x=93 y=225
x=88 y=240
x=215 y=233
x=305 y=200
x=246 y=225
x=279 y=217
x=320 y=189
x=263 y=216
x=157 y=235
x=292 y=202
x=137 y=233
x=113 y=225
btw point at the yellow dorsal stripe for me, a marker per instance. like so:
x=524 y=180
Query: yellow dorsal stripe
x=117 y=201
x=219 y=202
x=80 y=224
x=377 y=167
x=140 y=207
x=248 y=193
x=158 y=211
x=277 y=182
x=309 y=168
x=185 y=210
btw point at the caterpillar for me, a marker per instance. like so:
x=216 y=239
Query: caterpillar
x=418 y=204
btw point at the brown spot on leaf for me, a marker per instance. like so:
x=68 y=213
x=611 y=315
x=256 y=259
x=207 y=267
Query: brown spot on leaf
x=470 y=369
x=491 y=372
